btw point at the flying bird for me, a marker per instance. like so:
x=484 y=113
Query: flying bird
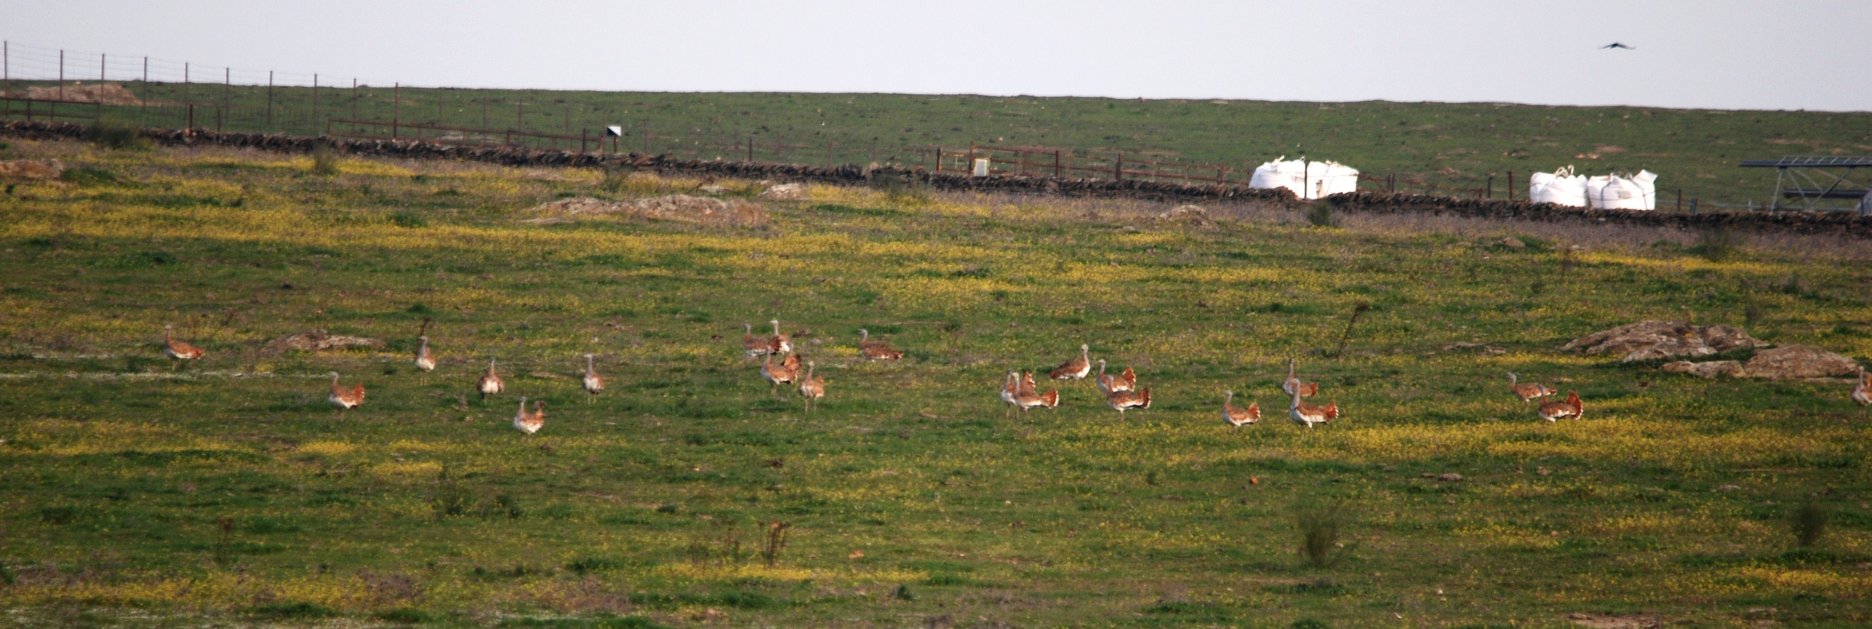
x=1617 y=45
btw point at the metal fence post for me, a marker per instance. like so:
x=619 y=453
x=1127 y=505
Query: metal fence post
x=396 y=108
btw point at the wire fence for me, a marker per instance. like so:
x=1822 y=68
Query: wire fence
x=86 y=87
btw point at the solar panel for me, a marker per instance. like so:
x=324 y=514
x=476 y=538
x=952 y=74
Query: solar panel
x=1811 y=161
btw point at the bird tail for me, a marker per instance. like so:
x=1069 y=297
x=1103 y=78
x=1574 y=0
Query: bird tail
x=1145 y=394
x=1052 y=398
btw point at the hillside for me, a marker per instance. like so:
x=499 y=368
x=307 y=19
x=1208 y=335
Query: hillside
x=1436 y=148
x=228 y=491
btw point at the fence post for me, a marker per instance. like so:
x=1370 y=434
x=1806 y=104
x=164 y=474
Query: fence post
x=61 y=84
x=582 y=132
x=227 y=94
x=939 y=160
x=1510 y=185
x=1056 y=163
x=1491 y=187
x=191 y=116
x=968 y=163
x=1118 y=168
x=396 y=108
x=1680 y=199
x=750 y=149
x=269 y=100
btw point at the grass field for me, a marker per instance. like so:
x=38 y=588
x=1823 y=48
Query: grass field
x=1437 y=148
x=228 y=491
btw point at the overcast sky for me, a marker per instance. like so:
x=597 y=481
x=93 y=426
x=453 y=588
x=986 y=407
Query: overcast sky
x=1721 y=54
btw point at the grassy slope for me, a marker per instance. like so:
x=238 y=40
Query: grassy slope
x=910 y=498
x=1431 y=147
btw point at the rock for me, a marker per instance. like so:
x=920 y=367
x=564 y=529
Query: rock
x=1185 y=214
x=1800 y=361
x=318 y=340
x=1653 y=340
x=1710 y=369
x=1511 y=242
x=29 y=169
x=785 y=192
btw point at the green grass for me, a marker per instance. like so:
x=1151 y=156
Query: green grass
x=229 y=492
x=1437 y=148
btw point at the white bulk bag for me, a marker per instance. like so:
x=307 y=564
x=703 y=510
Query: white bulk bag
x=1614 y=192
x=1308 y=180
x=1280 y=174
x=1560 y=187
x=1329 y=178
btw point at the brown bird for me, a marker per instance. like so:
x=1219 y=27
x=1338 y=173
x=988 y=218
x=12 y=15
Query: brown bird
x=424 y=360
x=592 y=382
x=778 y=343
x=530 y=423
x=1568 y=409
x=490 y=382
x=1293 y=385
x=178 y=350
x=1530 y=391
x=1239 y=417
x=752 y=346
x=780 y=374
x=1309 y=414
x=1862 y=392
x=1026 y=397
x=811 y=387
x=345 y=399
x=1122 y=401
x=876 y=350
x=1109 y=384
x=1009 y=386
x=1075 y=369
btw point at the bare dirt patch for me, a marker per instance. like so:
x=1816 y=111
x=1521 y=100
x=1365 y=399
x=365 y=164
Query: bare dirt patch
x=675 y=207
x=106 y=93
x=1615 y=621
x=30 y=169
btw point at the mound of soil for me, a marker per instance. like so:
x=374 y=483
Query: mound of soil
x=675 y=207
x=107 y=93
x=1652 y=340
x=1800 y=361
x=28 y=169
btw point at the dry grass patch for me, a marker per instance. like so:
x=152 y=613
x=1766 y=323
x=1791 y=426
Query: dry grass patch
x=675 y=207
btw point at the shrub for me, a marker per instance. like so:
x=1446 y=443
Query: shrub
x=1322 y=215
x=1320 y=528
x=1810 y=522
x=1716 y=242
x=110 y=133
x=88 y=176
x=324 y=160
